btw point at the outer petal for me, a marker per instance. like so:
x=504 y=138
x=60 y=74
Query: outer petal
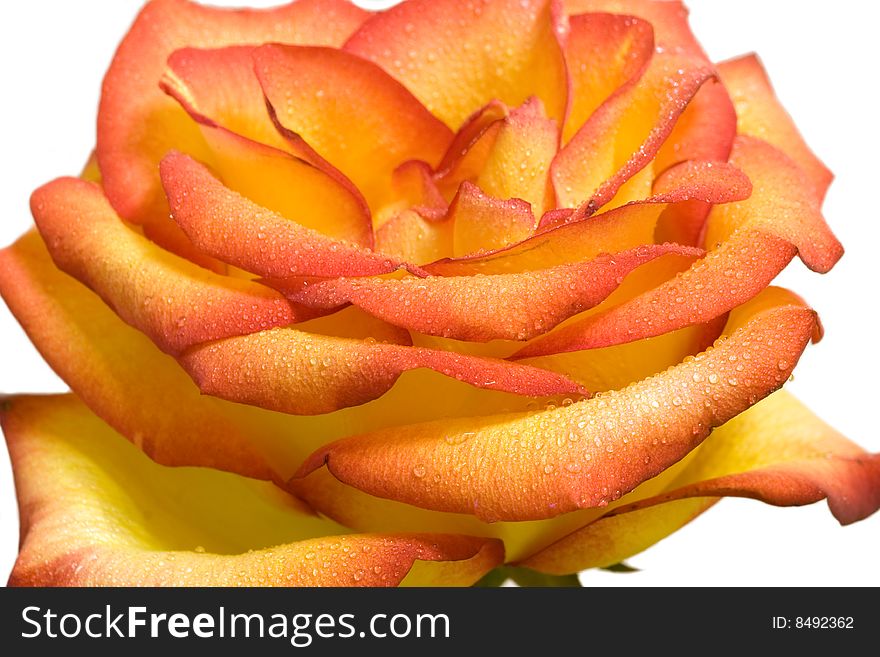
x=95 y=511
x=138 y=124
x=512 y=306
x=306 y=374
x=220 y=91
x=749 y=243
x=456 y=58
x=236 y=230
x=759 y=114
x=176 y=303
x=603 y=52
x=783 y=205
x=315 y=93
x=580 y=456
x=777 y=452
x=103 y=360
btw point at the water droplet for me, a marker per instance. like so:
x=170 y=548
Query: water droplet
x=419 y=471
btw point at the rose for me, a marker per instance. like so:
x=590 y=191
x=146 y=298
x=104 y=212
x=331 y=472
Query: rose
x=675 y=126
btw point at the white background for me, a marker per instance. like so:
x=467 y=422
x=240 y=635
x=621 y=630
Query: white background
x=823 y=60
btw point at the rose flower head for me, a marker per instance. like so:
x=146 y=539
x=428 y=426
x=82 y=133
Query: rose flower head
x=423 y=292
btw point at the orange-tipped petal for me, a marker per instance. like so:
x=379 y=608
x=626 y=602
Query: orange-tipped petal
x=514 y=306
x=218 y=87
x=220 y=91
x=749 y=243
x=728 y=276
x=456 y=58
x=302 y=373
x=702 y=180
x=704 y=131
x=174 y=302
x=138 y=124
x=760 y=114
x=236 y=230
x=484 y=223
x=777 y=452
x=470 y=148
x=706 y=128
x=683 y=222
x=315 y=92
x=784 y=204
x=518 y=163
x=516 y=467
x=95 y=511
x=410 y=237
x=414 y=184
x=626 y=132
x=603 y=52
x=563 y=238
x=668 y=18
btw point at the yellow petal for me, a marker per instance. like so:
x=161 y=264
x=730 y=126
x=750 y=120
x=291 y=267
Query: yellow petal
x=96 y=511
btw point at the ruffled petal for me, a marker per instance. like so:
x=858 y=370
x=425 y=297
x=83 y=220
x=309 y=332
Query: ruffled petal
x=749 y=243
x=175 y=302
x=512 y=306
x=95 y=511
x=760 y=114
x=240 y=232
x=315 y=93
x=783 y=204
x=564 y=238
x=138 y=124
x=777 y=452
x=583 y=455
x=456 y=58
